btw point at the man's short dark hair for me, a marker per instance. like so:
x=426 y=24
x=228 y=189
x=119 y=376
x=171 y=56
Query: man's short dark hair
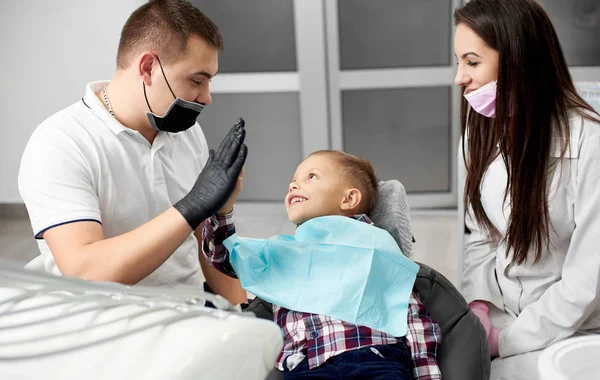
x=165 y=27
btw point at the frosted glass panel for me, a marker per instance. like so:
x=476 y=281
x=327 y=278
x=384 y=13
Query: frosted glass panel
x=258 y=35
x=273 y=139
x=577 y=23
x=406 y=134
x=394 y=33
x=590 y=91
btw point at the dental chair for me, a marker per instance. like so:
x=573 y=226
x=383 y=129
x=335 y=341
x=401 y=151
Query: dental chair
x=464 y=352
x=62 y=328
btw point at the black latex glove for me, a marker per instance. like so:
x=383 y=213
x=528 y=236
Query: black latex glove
x=217 y=180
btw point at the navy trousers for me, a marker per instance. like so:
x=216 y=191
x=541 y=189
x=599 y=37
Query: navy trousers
x=382 y=362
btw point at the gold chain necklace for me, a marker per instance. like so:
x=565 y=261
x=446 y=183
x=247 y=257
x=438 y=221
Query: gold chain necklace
x=107 y=102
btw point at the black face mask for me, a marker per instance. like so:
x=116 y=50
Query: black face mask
x=180 y=116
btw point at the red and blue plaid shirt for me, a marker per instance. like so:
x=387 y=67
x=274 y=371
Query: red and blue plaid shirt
x=320 y=337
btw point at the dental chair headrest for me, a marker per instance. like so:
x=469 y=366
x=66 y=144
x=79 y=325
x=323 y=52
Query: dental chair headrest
x=391 y=212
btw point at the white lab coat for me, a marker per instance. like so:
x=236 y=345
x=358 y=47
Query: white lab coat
x=559 y=296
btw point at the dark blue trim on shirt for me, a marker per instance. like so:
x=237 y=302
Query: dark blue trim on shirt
x=85 y=103
x=38 y=236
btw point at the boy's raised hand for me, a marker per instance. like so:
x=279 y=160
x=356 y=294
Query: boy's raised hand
x=228 y=206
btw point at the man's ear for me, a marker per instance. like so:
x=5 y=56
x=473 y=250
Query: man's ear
x=146 y=62
x=351 y=200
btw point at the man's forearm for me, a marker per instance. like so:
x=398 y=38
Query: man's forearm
x=131 y=257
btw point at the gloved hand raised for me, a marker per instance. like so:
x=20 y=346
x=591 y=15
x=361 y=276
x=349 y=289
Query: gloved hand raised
x=217 y=180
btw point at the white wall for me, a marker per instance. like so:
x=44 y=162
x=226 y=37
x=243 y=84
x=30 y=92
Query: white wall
x=49 y=51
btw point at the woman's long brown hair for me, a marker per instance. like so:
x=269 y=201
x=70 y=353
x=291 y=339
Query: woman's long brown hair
x=535 y=94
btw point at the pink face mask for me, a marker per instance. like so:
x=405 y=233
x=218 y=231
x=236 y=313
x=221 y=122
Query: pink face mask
x=483 y=100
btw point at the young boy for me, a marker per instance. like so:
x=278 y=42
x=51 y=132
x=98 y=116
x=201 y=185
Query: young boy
x=336 y=183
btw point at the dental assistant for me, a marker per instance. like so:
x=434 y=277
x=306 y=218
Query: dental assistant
x=531 y=148
x=119 y=184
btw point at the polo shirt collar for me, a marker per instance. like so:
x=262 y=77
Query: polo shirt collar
x=91 y=100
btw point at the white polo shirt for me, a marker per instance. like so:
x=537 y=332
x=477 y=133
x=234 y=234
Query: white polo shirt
x=81 y=164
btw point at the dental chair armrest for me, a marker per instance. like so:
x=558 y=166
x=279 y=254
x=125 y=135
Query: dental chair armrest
x=464 y=353
x=261 y=308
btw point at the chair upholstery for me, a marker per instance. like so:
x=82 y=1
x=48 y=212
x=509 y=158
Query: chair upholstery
x=464 y=353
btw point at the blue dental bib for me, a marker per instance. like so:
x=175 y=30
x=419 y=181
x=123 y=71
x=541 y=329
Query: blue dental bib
x=335 y=266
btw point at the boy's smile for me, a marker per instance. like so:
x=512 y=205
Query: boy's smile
x=294 y=198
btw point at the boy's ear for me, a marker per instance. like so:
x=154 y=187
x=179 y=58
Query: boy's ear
x=351 y=200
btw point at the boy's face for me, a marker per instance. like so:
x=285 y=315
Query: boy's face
x=317 y=189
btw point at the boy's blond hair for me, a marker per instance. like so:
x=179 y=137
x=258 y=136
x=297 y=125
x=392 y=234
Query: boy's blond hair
x=359 y=173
